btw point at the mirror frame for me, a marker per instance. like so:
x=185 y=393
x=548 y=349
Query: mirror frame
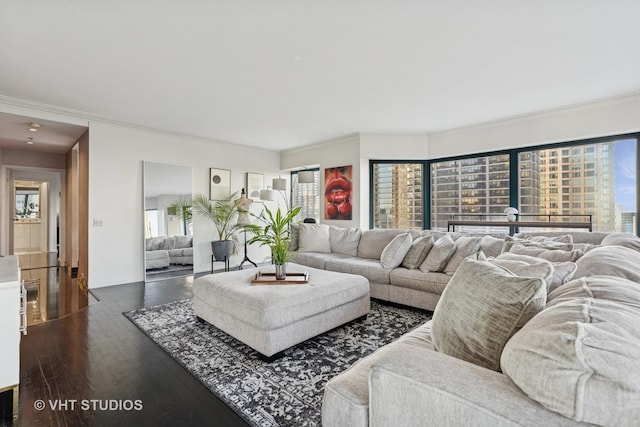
x=161 y=182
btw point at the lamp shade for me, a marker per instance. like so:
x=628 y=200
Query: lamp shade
x=267 y=195
x=279 y=184
x=306 y=177
x=511 y=211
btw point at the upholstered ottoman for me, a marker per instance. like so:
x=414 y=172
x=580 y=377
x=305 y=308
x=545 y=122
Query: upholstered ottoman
x=271 y=318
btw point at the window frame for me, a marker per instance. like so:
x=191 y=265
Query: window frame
x=514 y=165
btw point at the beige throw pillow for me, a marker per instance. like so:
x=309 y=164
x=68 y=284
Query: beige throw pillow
x=418 y=252
x=555 y=255
x=344 y=240
x=396 y=250
x=439 y=255
x=314 y=238
x=562 y=272
x=481 y=308
x=465 y=246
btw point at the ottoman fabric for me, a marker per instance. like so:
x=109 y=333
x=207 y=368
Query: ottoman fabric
x=270 y=318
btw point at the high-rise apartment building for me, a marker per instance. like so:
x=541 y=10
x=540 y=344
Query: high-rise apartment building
x=399 y=196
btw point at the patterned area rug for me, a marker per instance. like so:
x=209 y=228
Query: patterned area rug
x=286 y=392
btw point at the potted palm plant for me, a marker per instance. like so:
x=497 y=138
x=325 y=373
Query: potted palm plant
x=276 y=233
x=224 y=215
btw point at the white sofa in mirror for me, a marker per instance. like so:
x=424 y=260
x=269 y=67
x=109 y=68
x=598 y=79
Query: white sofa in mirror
x=168 y=236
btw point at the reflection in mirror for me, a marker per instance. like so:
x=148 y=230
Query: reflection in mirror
x=27 y=201
x=167 y=221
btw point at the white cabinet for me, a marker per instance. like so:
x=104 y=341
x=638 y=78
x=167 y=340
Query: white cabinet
x=12 y=306
x=27 y=235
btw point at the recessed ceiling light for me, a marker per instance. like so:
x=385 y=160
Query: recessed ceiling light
x=34 y=127
x=30 y=141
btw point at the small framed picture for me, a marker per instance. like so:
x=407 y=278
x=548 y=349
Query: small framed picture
x=219 y=183
x=255 y=183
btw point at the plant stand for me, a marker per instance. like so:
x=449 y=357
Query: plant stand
x=246 y=258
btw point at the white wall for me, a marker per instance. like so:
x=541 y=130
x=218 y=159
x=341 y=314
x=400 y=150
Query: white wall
x=338 y=152
x=115 y=194
x=601 y=118
x=356 y=150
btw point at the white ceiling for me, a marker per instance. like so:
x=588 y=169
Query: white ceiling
x=280 y=74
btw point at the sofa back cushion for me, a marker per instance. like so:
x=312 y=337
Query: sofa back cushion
x=418 y=253
x=562 y=272
x=393 y=254
x=481 y=308
x=616 y=261
x=373 y=242
x=554 y=255
x=438 y=257
x=622 y=239
x=181 y=242
x=465 y=246
x=314 y=238
x=344 y=240
x=579 y=356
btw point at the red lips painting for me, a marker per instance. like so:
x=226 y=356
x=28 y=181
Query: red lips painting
x=337 y=192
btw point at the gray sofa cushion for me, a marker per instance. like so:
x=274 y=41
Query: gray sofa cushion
x=373 y=242
x=344 y=240
x=438 y=257
x=369 y=268
x=491 y=246
x=622 y=239
x=481 y=308
x=616 y=261
x=555 y=255
x=180 y=242
x=315 y=259
x=465 y=246
x=393 y=254
x=314 y=238
x=419 y=280
x=418 y=253
x=579 y=356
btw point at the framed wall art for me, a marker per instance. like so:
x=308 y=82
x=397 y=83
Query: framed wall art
x=255 y=183
x=337 y=192
x=219 y=183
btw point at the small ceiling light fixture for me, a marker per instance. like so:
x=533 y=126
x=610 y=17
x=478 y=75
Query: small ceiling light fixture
x=30 y=141
x=34 y=127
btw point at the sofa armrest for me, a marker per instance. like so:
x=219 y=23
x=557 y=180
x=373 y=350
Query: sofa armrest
x=424 y=387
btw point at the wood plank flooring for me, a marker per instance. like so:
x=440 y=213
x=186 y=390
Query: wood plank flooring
x=96 y=353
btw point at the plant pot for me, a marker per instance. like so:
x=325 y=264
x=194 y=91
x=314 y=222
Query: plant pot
x=221 y=249
x=281 y=271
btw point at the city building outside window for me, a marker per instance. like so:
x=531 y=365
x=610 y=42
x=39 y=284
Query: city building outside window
x=397 y=195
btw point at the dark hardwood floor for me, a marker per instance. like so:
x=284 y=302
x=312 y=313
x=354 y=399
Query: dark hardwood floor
x=97 y=354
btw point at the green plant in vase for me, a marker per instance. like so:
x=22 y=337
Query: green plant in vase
x=276 y=233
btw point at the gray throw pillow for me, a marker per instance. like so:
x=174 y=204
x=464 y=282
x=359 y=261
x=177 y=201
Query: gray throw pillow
x=314 y=238
x=555 y=255
x=418 y=252
x=465 y=246
x=396 y=250
x=562 y=271
x=481 y=308
x=344 y=240
x=439 y=255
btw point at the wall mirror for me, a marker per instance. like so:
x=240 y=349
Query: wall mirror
x=168 y=236
x=27 y=200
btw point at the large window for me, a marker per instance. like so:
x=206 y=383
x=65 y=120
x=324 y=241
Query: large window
x=474 y=187
x=572 y=181
x=306 y=195
x=398 y=195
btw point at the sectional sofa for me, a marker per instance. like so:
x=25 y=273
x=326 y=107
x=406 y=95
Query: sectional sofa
x=411 y=270
x=549 y=346
x=161 y=252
